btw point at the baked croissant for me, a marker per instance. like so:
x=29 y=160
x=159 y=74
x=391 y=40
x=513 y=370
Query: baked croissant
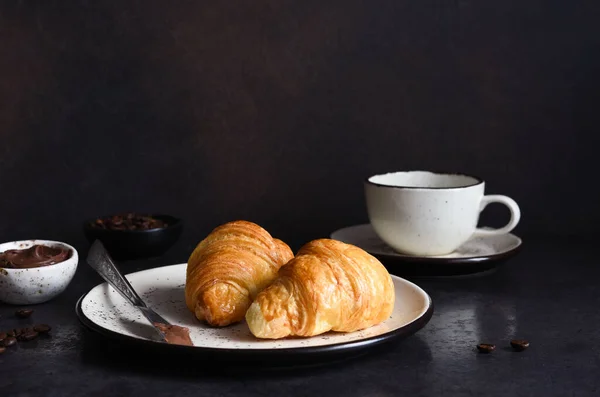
x=229 y=268
x=329 y=285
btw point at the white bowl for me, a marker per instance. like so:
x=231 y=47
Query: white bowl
x=37 y=284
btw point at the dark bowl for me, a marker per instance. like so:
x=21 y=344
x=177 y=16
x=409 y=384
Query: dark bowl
x=136 y=244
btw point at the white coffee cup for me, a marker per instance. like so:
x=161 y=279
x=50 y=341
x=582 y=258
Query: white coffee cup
x=428 y=214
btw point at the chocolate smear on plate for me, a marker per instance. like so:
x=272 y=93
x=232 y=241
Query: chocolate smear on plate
x=175 y=335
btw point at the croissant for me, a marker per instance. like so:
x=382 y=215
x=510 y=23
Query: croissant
x=229 y=268
x=328 y=286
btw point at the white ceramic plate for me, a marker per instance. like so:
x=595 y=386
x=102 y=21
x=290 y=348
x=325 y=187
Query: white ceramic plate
x=478 y=254
x=103 y=310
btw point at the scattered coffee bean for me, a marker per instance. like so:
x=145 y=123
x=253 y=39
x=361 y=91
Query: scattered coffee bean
x=486 y=347
x=3 y=336
x=10 y=334
x=2 y=349
x=42 y=328
x=27 y=336
x=519 y=344
x=17 y=332
x=10 y=341
x=24 y=313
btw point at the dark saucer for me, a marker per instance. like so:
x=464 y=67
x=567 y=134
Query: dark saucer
x=479 y=254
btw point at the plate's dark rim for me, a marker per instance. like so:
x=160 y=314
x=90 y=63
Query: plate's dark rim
x=406 y=330
x=437 y=260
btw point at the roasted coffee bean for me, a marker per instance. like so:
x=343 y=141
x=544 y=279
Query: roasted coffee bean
x=2 y=349
x=17 y=331
x=3 y=335
x=42 y=328
x=27 y=336
x=10 y=341
x=11 y=333
x=519 y=344
x=23 y=313
x=486 y=347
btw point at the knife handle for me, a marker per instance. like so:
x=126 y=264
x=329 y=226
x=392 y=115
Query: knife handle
x=99 y=259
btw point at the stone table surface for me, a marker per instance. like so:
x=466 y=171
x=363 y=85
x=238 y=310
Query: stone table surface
x=548 y=294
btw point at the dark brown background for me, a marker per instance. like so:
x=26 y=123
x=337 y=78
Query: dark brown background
x=275 y=111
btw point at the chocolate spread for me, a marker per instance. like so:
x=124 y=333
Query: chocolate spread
x=175 y=334
x=35 y=256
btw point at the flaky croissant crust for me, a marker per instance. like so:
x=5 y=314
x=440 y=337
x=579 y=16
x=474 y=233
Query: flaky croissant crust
x=329 y=285
x=228 y=268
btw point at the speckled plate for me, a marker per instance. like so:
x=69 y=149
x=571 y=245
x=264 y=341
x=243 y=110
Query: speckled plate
x=103 y=310
x=479 y=254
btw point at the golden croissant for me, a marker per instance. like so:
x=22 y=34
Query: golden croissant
x=328 y=286
x=229 y=268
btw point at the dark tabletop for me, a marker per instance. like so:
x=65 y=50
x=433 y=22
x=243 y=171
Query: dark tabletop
x=548 y=294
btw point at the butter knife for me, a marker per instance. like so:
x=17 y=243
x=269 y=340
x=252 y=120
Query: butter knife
x=99 y=259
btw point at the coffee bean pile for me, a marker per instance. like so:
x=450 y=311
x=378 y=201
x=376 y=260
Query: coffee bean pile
x=517 y=345
x=12 y=336
x=129 y=221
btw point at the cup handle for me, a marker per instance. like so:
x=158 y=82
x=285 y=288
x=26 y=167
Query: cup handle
x=515 y=214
